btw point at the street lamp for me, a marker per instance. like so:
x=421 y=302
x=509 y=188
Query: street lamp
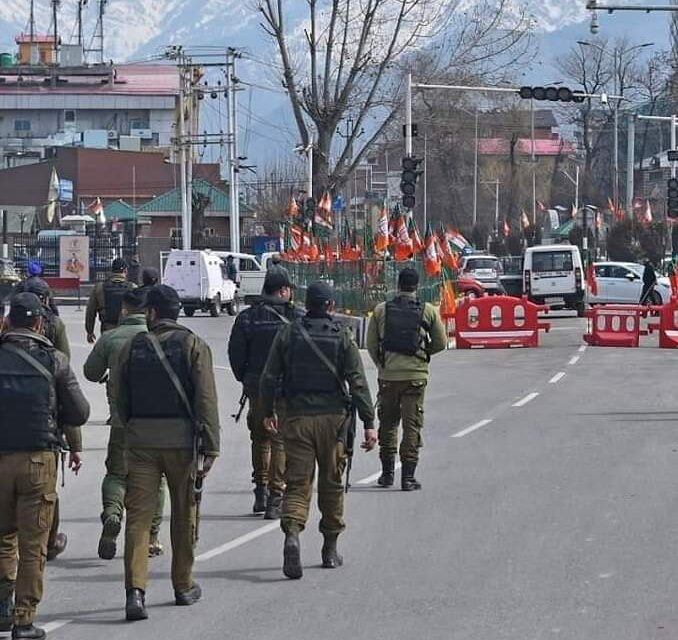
x=616 y=55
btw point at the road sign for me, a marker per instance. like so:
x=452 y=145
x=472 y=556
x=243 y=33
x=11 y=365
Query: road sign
x=338 y=204
x=673 y=155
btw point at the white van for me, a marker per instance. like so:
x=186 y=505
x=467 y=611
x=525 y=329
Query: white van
x=251 y=273
x=554 y=275
x=199 y=278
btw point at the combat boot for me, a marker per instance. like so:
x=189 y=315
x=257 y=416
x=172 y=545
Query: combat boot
x=155 y=547
x=60 y=542
x=108 y=540
x=408 y=482
x=273 y=506
x=188 y=597
x=135 y=606
x=6 y=613
x=330 y=555
x=260 y=497
x=28 y=631
x=387 y=477
x=292 y=556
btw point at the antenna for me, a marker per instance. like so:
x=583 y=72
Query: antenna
x=31 y=22
x=56 y=5
x=81 y=5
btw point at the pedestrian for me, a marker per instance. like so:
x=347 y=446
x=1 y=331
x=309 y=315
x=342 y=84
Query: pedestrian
x=649 y=281
x=98 y=366
x=106 y=300
x=34 y=271
x=39 y=396
x=149 y=278
x=231 y=269
x=275 y=264
x=248 y=348
x=165 y=394
x=402 y=336
x=316 y=358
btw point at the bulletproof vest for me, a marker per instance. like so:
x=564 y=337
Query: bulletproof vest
x=403 y=325
x=151 y=392
x=305 y=372
x=264 y=326
x=114 y=292
x=27 y=401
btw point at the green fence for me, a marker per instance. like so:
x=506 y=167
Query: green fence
x=362 y=284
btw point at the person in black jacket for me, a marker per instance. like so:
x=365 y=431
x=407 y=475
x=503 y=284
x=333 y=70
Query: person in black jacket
x=649 y=280
x=248 y=348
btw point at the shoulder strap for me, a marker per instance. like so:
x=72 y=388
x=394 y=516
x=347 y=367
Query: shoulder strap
x=322 y=357
x=280 y=317
x=27 y=357
x=171 y=373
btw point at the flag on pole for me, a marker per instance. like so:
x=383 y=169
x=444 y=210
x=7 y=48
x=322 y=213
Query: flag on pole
x=507 y=229
x=292 y=208
x=540 y=206
x=431 y=259
x=524 y=220
x=403 y=242
x=574 y=211
x=417 y=244
x=96 y=208
x=647 y=215
x=591 y=281
x=381 y=236
x=448 y=300
x=457 y=241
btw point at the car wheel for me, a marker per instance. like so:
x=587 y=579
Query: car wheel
x=189 y=311
x=215 y=308
x=233 y=307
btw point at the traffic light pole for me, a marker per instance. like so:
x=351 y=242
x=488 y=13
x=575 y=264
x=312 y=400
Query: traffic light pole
x=408 y=117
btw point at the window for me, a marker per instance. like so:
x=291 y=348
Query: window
x=192 y=263
x=22 y=125
x=69 y=117
x=175 y=232
x=619 y=272
x=138 y=123
x=209 y=231
x=544 y=261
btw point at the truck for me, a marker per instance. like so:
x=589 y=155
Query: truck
x=251 y=273
x=199 y=277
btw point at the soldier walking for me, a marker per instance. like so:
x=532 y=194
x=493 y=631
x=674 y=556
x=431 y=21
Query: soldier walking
x=166 y=399
x=248 y=349
x=106 y=300
x=316 y=357
x=402 y=336
x=39 y=396
x=100 y=362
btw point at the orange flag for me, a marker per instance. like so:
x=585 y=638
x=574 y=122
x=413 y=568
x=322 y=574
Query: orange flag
x=591 y=280
x=403 y=244
x=381 y=235
x=292 y=208
x=448 y=300
x=417 y=244
x=431 y=259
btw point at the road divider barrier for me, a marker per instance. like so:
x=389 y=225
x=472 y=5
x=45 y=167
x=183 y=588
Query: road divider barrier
x=498 y=322
x=615 y=325
x=667 y=327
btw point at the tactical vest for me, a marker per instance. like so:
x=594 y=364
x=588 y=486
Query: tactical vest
x=403 y=326
x=151 y=392
x=305 y=372
x=114 y=292
x=27 y=400
x=264 y=326
x=49 y=329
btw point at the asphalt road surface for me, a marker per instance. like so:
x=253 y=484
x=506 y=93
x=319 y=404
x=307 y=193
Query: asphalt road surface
x=549 y=510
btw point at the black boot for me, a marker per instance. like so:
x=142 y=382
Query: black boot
x=6 y=613
x=292 y=556
x=28 y=631
x=135 y=606
x=260 y=497
x=273 y=506
x=330 y=555
x=408 y=482
x=188 y=597
x=387 y=476
x=60 y=542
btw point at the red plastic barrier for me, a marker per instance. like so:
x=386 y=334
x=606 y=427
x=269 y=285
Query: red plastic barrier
x=668 y=325
x=498 y=322
x=615 y=325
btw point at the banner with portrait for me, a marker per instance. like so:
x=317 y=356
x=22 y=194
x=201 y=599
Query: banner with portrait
x=74 y=257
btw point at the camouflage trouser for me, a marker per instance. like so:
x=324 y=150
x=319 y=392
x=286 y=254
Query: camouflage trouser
x=268 y=450
x=27 y=497
x=310 y=440
x=401 y=400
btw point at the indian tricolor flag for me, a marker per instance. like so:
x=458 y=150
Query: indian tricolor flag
x=457 y=241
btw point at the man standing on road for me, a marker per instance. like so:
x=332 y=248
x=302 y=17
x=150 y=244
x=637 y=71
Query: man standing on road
x=39 y=396
x=248 y=349
x=100 y=362
x=315 y=357
x=106 y=300
x=164 y=391
x=402 y=336
x=231 y=269
x=649 y=281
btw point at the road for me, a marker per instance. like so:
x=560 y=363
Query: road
x=549 y=510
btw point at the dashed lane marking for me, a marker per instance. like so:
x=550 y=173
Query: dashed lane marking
x=471 y=429
x=557 y=378
x=528 y=398
x=574 y=360
x=56 y=624
x=582 y=348
x=374 y=476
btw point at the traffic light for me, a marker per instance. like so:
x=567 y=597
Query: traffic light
x=672 y=198
x=554 y=94
x=408 y=180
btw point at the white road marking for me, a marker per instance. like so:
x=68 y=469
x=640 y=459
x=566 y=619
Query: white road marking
x=528 y=398
x=238 y=542
x=557 y=378
x=574 y=360
x=222 y=368
x=582 y=348
x=53 y=626
x=373 y=477
x=473 y=427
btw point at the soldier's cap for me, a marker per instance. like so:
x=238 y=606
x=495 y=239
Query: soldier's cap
x=276 y=279
x=37 y=286
x=150 y=275
x=164 y=300
x=23 y=306
x=319 y=294
x=119 y=265
x=408 y=279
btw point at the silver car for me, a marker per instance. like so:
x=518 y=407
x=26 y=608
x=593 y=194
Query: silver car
x=485 y=269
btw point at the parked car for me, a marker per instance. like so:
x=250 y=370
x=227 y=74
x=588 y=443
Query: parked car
x=470 y=287
x=622 y=283
x=485 y=269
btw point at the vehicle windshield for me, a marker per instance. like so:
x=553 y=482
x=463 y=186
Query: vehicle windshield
x=543 y=261
x=482 y=263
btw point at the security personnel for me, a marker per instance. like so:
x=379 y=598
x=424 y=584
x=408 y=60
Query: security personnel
x=248 y=349
x=402 y=336
x=98 y=365
x=165 y=395
x=106 y=300
x=149 y=278
x=315 y=412
x=34 y=272
x=39 y=396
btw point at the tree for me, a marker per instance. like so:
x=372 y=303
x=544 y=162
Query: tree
x=353 y=55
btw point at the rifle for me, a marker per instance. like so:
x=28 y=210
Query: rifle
x=241 y=407
x=197 y=484
x=349 y=429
